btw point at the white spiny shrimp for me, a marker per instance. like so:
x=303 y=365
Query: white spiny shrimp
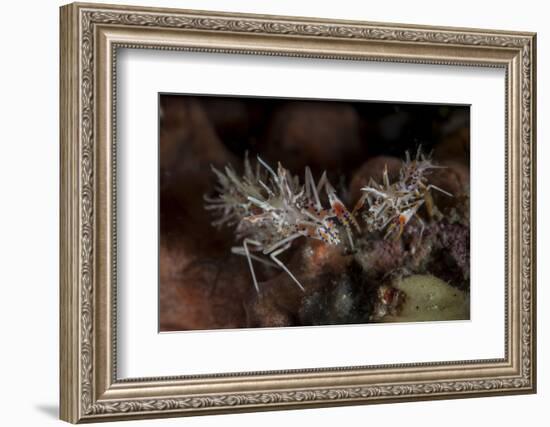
x=270 y=210
x=391 y=206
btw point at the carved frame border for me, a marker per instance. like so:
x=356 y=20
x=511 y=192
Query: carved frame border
x=89 y=387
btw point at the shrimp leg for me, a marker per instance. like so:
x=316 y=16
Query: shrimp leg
x=282 y=242
x=239 y=250
x=246 y=242
x=274 y=255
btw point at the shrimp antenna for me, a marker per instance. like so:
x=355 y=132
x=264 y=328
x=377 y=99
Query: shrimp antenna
x=271 y=171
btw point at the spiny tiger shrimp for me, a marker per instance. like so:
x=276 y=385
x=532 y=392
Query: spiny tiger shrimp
x=270 y=210
x=390 y=206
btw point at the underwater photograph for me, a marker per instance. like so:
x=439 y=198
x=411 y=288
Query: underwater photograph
x=279 y=212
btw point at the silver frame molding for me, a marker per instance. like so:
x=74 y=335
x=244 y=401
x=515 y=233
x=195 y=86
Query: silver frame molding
x=90 y=37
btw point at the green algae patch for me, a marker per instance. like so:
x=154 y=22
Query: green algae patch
x=427 y=298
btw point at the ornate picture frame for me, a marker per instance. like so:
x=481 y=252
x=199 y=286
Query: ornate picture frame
x=90 y=37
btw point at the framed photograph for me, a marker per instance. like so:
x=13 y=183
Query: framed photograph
x=266 y=212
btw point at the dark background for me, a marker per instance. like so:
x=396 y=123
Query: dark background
x=202 y=286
